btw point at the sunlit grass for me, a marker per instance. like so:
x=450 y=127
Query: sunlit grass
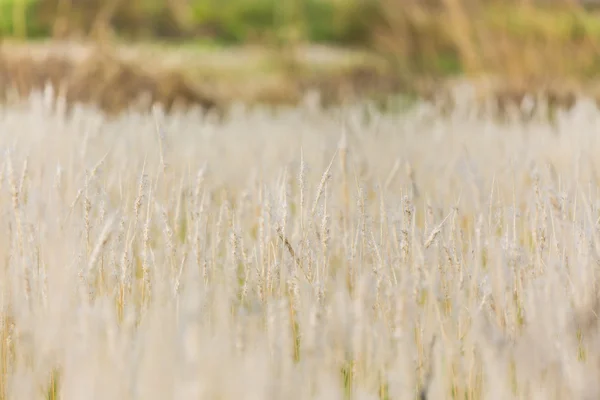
x=298 y=253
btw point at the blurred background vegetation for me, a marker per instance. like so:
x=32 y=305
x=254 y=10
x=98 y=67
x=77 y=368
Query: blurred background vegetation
x=524 y=40
x=218 y=21
x=437 y=36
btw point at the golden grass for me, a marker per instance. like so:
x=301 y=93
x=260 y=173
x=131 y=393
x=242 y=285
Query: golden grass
x=298 y=254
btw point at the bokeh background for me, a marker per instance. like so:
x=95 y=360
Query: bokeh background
x=344 y=48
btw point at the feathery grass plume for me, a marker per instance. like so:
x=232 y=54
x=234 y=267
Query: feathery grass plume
x=24 y=271
x=197 y=213
x=219 y=227
x=95 y=255
x=137 y=205
x=405 y=243
x=102 y=210
x=343 y=150
x=540 y=218
x=262 y=247
x=146 y=280
x=88 y=179
x=362 y=231
x=302 y=187
x=325 y=236
x=436 y=231
x=127 y=275
x=87 y=207
x=14 y=193
x=283 y=199
x=177 y=283
x=290 y=249
x=237 y=263
x=179 y=215
x=322 y=184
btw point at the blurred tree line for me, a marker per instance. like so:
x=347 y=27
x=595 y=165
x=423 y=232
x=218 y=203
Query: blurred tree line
x=521 y=38
x=224 y=21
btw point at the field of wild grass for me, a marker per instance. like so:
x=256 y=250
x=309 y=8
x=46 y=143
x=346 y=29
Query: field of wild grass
x=298 y=254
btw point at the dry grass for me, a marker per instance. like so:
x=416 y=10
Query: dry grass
x=525 y=42
x=100 y=78
x=298 y=254
x=116 y=77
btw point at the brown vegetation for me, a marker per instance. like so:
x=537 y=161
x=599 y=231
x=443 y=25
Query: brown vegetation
x=114 y=81
x=101 y=79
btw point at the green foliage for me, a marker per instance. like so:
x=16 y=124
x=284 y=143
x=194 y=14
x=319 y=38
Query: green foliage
x=226 y=21
x=313 y=20
x=34 y=28
x=235 y=20
x=348 y=22
x=417 y=40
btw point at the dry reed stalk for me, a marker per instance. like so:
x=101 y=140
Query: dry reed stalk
x=325 y=235
x=137 y=205
x=162 y=137
x=89 y=276
x=87 y=206
x=302 y=188
x=436 y=231
x=322 y=184
x=343 y=151
x=147 y=282
x=180 y=195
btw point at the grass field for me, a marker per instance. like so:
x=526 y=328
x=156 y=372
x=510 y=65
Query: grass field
x=298 y=254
